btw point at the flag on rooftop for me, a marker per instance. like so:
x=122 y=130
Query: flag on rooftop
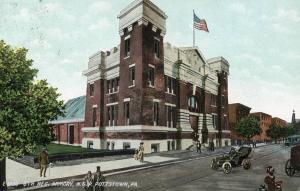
x=200 y=24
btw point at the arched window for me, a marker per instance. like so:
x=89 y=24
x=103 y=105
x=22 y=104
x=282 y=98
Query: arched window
x=193 y=103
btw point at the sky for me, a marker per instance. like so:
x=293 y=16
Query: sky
x=259 y=38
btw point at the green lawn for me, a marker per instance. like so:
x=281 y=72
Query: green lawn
x=58 y=149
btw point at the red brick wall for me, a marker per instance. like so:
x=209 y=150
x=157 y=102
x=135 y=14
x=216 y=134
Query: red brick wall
x=93 y=100
x=61 y=132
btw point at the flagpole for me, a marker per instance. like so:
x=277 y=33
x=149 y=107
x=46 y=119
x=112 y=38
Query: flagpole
x=193 y=29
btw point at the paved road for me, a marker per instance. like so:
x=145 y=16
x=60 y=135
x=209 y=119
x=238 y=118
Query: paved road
x=197 y=175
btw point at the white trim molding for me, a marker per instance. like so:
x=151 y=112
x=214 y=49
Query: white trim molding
x=126 y=99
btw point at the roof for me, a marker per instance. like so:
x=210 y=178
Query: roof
x=260 y=113
x=239 y=104
x=74 y=111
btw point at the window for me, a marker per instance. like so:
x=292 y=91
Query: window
x=112 y=145
x=94 y=116
x=169 y=116
x=131 y=76
x=151 y=75
x=154 y=148
x=169 y=84
x=90 y=144
x=112 y=115
x=117 y=84
x=193 y=104
x=225 y=123
x=215 y=120
x=173 y=145
x=156 y=48
x=108 y=86
x=91 y=89
x=108 y=116
x=213 y=100
x=107 y=145
x=112 y=85
x=155 y=113
x=223 y=101
x=127 y=47
x=126 y=112
x=126 y=145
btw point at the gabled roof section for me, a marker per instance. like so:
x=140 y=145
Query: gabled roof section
x=197 y=50
x=74 y=111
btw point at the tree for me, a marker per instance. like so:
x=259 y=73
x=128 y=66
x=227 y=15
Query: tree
x=26 y=106
x=275 y=132
x=248 y=127
x=288 y=131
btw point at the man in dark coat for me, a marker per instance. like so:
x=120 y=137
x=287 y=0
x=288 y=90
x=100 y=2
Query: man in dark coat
x=99 y=179
x=43 y=162
x=198 y=147
x=88 y=180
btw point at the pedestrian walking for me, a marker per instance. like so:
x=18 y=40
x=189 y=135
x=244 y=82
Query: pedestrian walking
x=213 y=145
x=99 y=180
x=136 y=154
x=88 y=180
x=198 y=147
x=141 y=152
x=43 y=162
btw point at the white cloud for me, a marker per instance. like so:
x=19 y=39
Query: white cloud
x=39 y=43
x=239 y=8
x=288 y=15
x=100 y=6
x=102 y=23
x=52 y=8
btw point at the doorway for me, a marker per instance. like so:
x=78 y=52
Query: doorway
x=71 y=134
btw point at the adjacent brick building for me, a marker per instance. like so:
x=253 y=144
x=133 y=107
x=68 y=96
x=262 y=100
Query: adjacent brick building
x=265 y=120
x=237 y=111
x=67 y=129
x=278 y=121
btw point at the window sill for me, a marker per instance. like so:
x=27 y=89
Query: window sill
x=113 y=93
x=131 y=86
x=170 y=93
x=213 y=105
x=151 y=86
x=126 y=57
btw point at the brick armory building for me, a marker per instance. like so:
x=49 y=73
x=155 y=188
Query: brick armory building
x=145 y=90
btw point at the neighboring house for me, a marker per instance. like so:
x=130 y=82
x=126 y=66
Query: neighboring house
x=279 y=121
x=67 y=129
x=265 y=120
x=237 y=111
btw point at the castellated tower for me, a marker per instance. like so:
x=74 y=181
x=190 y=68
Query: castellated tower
x=142 y=28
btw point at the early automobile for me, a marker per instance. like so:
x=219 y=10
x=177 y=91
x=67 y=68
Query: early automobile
x=293 y=164
x=234 y=158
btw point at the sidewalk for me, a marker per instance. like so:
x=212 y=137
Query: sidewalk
x=18 y=173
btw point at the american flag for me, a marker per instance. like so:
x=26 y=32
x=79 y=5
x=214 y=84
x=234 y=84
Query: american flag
x=200 y=24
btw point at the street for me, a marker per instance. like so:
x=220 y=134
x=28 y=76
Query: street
x=197 y=175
